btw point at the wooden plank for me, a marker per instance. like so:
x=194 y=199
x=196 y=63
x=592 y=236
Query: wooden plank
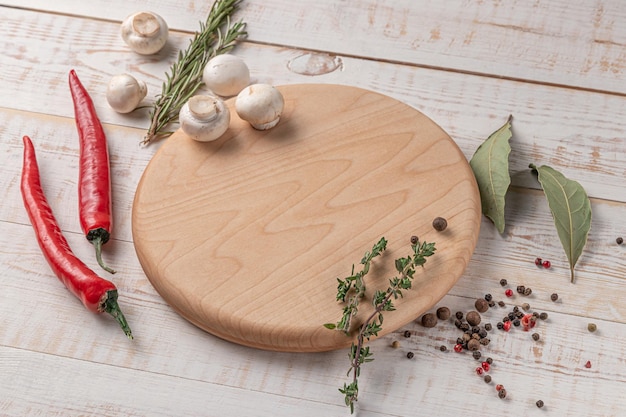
x=578 y=44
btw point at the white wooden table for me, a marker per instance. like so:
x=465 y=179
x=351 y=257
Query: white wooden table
x=559 y=67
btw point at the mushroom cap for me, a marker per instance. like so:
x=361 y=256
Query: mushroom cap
x=204 y=118
x=261 y=105
x=145 y=33
x=226 y=75
x=124 y=93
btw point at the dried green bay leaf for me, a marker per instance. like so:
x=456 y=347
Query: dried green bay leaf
x=571 y=210
x=490 y=164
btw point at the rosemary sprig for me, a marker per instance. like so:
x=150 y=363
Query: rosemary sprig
x=382 y=301
x=185 y=77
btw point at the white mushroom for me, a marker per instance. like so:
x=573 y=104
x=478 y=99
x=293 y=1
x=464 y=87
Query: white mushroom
x=145 y=32
x=204 y=118
x=226 y=75
x=261 y=105
x=124 y=93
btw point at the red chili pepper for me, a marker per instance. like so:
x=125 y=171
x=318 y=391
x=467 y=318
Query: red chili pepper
x=96 y=293
x=94 y=179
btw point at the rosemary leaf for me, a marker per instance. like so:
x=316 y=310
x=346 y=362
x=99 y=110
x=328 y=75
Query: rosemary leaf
x=185 y=75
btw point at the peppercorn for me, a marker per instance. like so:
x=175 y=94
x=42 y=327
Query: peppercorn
x=488 y=327
x=407 y=333
x=487 y=379
x=410 y=355
x=503 y=282
x=482 y=333
x=489 y=360
x=460 y=340
x=507 y=326
x=476 y=354
x=509 y=293
x=539 y=403
x=515 y=309
x=499 y=387
x=521 y=289
x=543 y=316
x=538 y=261
x=459 y=315
x=458 y=348
x=546 y=264
x=505 y=319
x=475 y=329
x=519 y=314
x=465 y=326
x=525 y=306
x=554 y=297
x=511 y=316
x=443 y=348
x=536 y=336
x=492 y=303
x=501 y=303
x=516 y=322
x=500 y=325
x=619 y=240
x=592 y=327
x=502 y=393
x=414 y=240
x=440 y=224
x=443 y=313
x=473 y=318
x=528 y=291
x=429 y=320
x=485 y=341
x=476 y=336
x=458 y=323
x=395 y=344
x=473 y=345
x=588 y=364
x=488 y=297
x=481 y=305
x=479 y=371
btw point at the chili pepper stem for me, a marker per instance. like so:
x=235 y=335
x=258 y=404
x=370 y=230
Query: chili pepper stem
x=97 y=243
x=111 y=306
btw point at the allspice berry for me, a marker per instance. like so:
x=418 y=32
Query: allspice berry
x=481 y=305
x=592 y=327
x=473 y=318
x=443 y=313
x=429 y=320
x=440 y=224
x=473 y=345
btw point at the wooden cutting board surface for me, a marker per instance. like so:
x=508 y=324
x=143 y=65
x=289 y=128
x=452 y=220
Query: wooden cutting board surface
x=245 y=236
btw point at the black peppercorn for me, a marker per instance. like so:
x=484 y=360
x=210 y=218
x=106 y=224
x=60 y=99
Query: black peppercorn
x=500 y=325
x=465 y=327
x=407 y=333
x=429 y=320
x=488 y=297
x=592 y=327
x=482 y=333
x=519 y=314
x=476 y=354
x=475 y=329
x=481 y=305
x=511 y=315
x=554 y=297
x=503 y=282
x=443 y=313
x=475 y=336
x=489 y=360
x=459 y=315
x=521 y=289
x=492 y=303
x=505 y=319
x=516 y=322
x=539 y=403
x=443 y=348
x=457 y=323
x=501 y=303
x=473 y=318
x=543 y=316
x=515 y=309
x=459 y=340
x=528 y=291
x=488 y=327
x=487 y=379
x=536 y=336
x=410 y=355
x=440 y=224
x=619 y=240
x=414 y=240
x=502 y=393
x=485 y=341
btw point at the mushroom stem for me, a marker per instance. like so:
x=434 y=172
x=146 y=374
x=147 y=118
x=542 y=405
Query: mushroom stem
x=145 y=24
x=203 y=107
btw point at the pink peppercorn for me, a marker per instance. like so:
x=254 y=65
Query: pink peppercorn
x=546 y=264
x=506 y=326
x=479 y=371
x=509 y=293
x=588 y=364
x=486 y=366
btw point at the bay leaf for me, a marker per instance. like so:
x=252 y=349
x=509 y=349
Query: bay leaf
x=571 y=210
x=490 y=164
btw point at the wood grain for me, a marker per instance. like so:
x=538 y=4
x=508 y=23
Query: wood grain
x=246 y=235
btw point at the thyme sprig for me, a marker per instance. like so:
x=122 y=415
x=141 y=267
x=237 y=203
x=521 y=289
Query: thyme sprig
x=382 y=301
x=185 y=76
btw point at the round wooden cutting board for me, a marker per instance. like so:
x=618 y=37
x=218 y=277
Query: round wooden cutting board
x=246 y=236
